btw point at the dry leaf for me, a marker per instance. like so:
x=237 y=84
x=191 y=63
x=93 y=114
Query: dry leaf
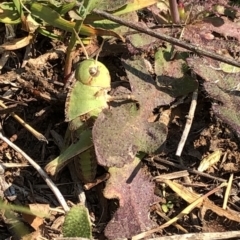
x=209 y=161
x=135 y=192
x=33 y=220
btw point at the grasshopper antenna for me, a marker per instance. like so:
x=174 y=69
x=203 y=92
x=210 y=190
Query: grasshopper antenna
x=100 y=49
x=94 y=70
x=81 y=43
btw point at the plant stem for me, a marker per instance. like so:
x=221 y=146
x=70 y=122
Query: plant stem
x=174 y=11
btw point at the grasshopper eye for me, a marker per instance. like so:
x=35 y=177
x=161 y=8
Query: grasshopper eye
x=93 y=71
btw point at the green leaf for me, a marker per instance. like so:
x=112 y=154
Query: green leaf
x=165 y=208
x=10 y=207
x=9 y=13
x=227 y=68
x=123 y=8
x=109 y=5
x=77 y=223
x=51 y=17
x=89 y=92
x=134 y=5
x=48 y=34
x=223 y=88
x=89 y=5
x=19 y=8
x=56 y=3
x=172 y=76
x=64 y=8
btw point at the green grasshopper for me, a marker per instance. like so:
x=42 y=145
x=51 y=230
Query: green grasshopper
x=85 y=100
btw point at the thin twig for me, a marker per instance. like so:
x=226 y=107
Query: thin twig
x=49 y=182
x=12 y=101
x=97 y=181
x=158 y=159
x=166 y=38
x=188 y=123
x=35 y=133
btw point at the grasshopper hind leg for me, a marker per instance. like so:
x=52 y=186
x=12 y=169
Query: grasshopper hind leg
x=86 y=165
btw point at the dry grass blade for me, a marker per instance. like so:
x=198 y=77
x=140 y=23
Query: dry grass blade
x=190 y=197
x=173 y=175
x=13 y=165
x=16 y=43
x=202 y=236
x=184 y=212
x=228 y=190
x=179 y=166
